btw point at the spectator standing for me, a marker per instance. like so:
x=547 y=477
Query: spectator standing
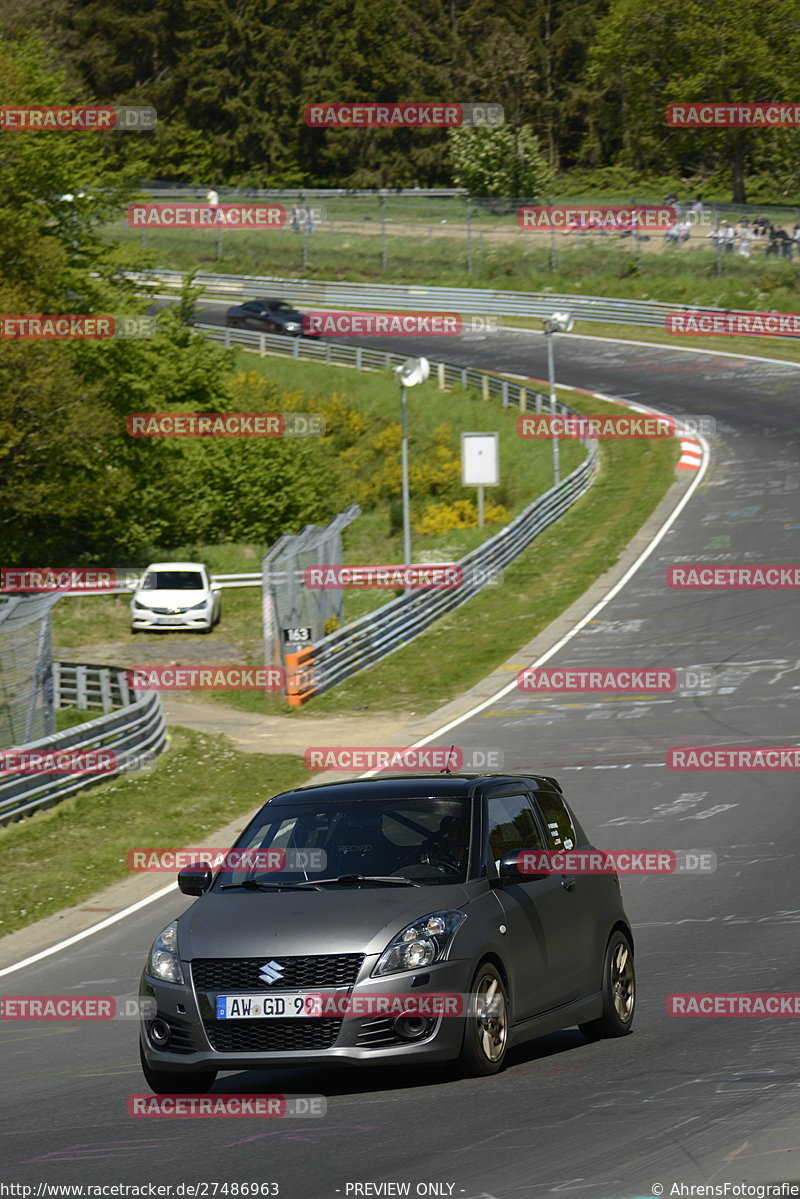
x=745 y=236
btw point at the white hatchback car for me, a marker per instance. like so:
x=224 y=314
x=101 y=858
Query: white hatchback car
x=176 y=595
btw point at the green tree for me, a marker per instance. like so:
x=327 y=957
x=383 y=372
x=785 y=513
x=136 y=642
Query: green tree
x=500 y=161
x=704 y=50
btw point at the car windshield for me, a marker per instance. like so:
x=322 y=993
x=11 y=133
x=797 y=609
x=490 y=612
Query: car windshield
x=425 y=840
x=173 y=580
x=279 y=306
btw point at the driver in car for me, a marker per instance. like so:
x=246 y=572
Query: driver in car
x=455 y=832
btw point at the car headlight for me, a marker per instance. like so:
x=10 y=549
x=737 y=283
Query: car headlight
x=138 y=604
x=163 y=961
x=420 y=944
x=203 y=604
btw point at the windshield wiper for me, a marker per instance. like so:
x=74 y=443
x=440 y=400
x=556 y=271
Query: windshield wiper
x=253 y=884
x=355 y=880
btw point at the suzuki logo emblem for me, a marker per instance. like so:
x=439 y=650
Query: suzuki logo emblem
x=271 y=972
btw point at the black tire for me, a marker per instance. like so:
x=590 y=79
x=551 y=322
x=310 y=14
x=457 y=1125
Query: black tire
x=619 y=992
x=483 y=1050
x=170 y=1082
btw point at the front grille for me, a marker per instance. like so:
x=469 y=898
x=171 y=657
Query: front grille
x=243 y=974
x=169 y=611
x=266 y=1036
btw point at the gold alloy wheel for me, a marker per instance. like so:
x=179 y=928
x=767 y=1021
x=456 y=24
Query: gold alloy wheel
x=622 y=984
x=492 y=1016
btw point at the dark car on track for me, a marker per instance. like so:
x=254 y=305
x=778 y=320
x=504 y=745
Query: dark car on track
x=421 y=896
x=266 y=316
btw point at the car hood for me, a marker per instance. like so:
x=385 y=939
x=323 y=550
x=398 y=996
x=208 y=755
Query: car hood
x=234 y=924
x=171 y=599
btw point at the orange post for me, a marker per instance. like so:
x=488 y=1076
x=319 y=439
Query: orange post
x=300 y=676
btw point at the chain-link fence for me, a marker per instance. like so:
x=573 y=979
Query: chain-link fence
x=295 y=615
x=26 y=675
x=382 y=231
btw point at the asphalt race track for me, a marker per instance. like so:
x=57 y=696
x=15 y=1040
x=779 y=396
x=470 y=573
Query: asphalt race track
x=693 y=1101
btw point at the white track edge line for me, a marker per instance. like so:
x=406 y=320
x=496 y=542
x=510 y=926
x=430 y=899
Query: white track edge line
x=87 y=932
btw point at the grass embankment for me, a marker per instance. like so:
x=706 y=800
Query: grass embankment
x=375 y=536
x=556 y=570
x=461 y=648
x=59 y=857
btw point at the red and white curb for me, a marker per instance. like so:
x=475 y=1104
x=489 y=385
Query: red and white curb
x=692 y=449
x=691 y=452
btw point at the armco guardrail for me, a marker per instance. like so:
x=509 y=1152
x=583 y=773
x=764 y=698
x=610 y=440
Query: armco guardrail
x=309 y=293
x=248 y=579
x=315 y=669
x=133 y=733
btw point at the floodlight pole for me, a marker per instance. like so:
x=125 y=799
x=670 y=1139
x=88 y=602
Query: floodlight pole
x=551 y=370
x=404 y=461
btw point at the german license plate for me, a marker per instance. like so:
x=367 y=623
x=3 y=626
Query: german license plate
x=289 y=1005
x=169 y=620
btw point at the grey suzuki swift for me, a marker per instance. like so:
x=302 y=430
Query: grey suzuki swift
x=423 y=938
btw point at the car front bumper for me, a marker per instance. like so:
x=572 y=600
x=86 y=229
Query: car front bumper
x=358 y=1040
x=201 y=619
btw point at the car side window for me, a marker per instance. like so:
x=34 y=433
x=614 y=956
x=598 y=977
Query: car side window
x=511 y=825
x=556 y=819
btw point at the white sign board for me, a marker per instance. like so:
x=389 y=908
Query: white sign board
x=480 y=459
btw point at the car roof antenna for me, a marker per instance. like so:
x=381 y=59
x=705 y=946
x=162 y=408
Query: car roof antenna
x=446 y=768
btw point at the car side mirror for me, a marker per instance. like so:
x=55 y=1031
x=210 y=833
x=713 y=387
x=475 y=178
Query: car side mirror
x=510 y=871
x=216 y=587
x=195 y=879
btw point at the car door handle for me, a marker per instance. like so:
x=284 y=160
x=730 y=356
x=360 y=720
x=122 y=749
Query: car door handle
x=567 y=882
